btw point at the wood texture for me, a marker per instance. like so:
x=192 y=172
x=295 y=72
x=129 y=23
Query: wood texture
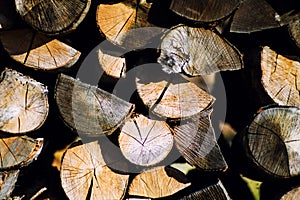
x=292 y=194
x=155 y=183
x=23 y=103
x=19 y=151
x=197 y=51
x=85 y=175
x=196 y=142
x=215 y=191
x=170 y=96
x=280 y=77
x=144 y=141
x=274 y=133
x=254 y=15
x=38 y=51
x=88 y=109
x=8 y=180
x=294 y=29
x=53 y=17
x=204 y=11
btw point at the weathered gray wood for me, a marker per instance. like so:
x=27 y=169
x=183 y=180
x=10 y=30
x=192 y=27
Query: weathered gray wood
x=204 y=11
x=23 y=103
x=88 y=109
x=294 y=29
x=197 y=51
x=53 y=17
x=8 y=180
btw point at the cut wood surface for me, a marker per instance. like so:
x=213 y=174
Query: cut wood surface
x=204 y=11
x=293 y=194
x=275 y=133
x=144 y=141
x=8 y=180
x=197 y=143
x=215 y=191
x=155 y=183
x=112 y=65
x=88 y=109
x=19 y=151
x=294 y=29
x=85 y=175
x=280 y=77
x=170 y=96
x=53 y=17
x=38 y=51
x=197 y=51
x=23 y=103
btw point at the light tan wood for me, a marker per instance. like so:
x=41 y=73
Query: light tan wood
x=84 y=170
x=280 y=77
x=23 y=103
x=38 y=51
x=155 y=183
x=292 y=194
x=144 y=141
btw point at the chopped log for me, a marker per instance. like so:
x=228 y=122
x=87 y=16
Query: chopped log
x=23 y=103
x=196 y=142
x=292 y=194
x=254 y=15
x=197 y=51
x=211 y=192
x=113 y=66
x=8 y=180
x=204 y=11
x=53 y=17
x=155 y=183
x=170 y=96
x=280 y=77
x=294 y=29
x=144 y=141
x=274 y=133
x=19 y=151
x=38 y=51
x=88 y=109
x=85 y=175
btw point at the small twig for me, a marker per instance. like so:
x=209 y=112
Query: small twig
x=38 y=193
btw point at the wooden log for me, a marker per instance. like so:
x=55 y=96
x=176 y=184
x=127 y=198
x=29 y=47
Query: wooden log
x=23 y=103
x=274 y=133
x=144 y=141
x=88 y=109
x=294 y=30
x=196 y=142
x=170 y=96
x=38 y=51
x=280 y=77
x=211 y=192
x=254 y=15
x=85 y=175
x=204 y=11
x=155 y=183
x=19 y=151
x=53 y=17
x=197 y=51
x=8 y=180
x=293 y=194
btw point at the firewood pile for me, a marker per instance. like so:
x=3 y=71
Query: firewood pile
x=156 y=99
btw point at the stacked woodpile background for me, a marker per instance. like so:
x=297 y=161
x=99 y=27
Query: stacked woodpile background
x=170 y=140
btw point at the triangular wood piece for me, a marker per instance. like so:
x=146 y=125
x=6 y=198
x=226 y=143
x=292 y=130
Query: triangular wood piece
x=155 y=183
x=196 y=142
x=204 y=11
x=19 y=151
x=280 y=77
x=275 y=132
x=254 y=15
x=53 y=17
x=8 y=180
x=84 y=172
x=197 y=51
x=294 y=29
x=23 y=103
x=88 y=109
x=170 y=96
x=212 y=192
x=38 y=51
x=144 y=141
